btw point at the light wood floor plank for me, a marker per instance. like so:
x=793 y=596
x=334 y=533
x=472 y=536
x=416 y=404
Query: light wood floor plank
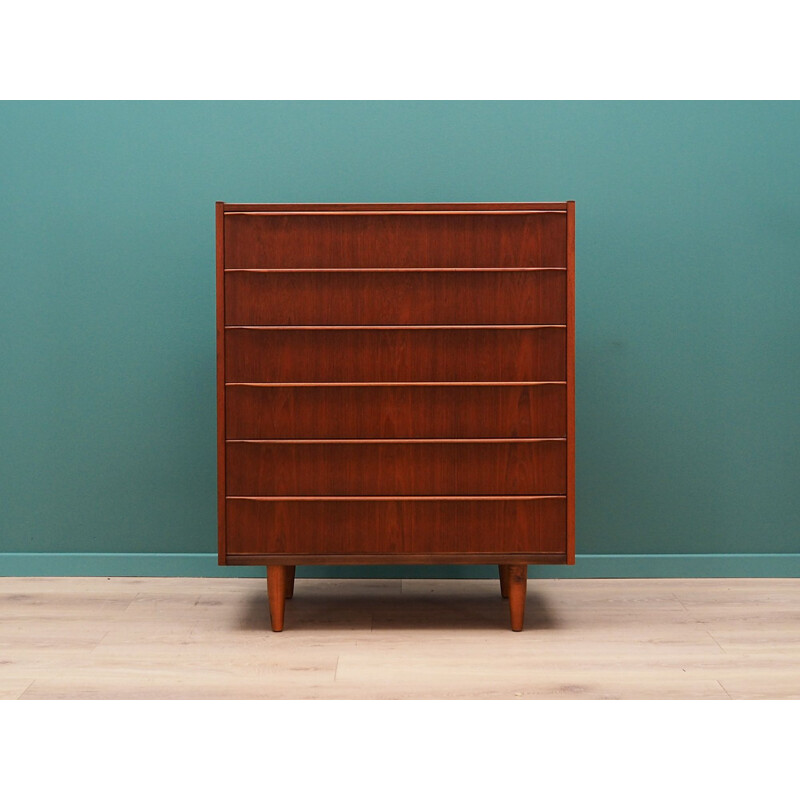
x=13 y=689
x=166 y=638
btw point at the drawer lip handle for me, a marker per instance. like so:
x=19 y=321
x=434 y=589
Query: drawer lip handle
x=401 y=212
x=378 y=270
x=321 y=384
x=384 y=498
x=450 y=440
x=385 y=327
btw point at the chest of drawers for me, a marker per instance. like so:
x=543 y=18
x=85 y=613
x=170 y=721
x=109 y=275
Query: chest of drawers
x=395 y=385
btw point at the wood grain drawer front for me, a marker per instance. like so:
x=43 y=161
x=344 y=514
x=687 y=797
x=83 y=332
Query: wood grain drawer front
x=397 y=297
x=342 y=355
x=373 y=241
x=397 y=526
x=396 y=412
x=343 y=468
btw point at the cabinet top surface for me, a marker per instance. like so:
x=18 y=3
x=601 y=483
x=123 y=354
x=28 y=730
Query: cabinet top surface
x=266 y=208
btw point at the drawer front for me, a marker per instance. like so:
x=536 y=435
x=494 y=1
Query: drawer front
x=396 y=297
x=375 y=241
x=342 y=355
x=396 y=412
x=395 y=468
x=397 y=526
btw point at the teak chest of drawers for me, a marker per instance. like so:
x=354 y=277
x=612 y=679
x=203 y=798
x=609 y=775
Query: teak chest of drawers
x=395 y=385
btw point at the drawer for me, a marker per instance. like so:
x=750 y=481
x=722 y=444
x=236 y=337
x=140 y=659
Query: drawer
x=280 y=240
x=342 y=355
x=395 y=411
x=396 y=297
x=397 y=526
x=377 y=468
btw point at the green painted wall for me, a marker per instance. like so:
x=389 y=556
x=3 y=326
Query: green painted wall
x=688 y=308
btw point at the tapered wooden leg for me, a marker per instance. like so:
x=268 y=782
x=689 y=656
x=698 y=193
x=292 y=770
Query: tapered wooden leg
x=503 y=580
x=517 y=587
x=276 y=590
x=290 y=582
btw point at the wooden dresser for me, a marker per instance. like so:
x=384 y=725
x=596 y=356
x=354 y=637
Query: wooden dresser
x=395 y=385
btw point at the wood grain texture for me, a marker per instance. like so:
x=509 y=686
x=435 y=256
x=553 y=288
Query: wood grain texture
x=517 y=583
x=396 y=297
x=503 y=569
x=279 y=355
x=276 y=590
x=468 y=239
x=391 y=411
x=396 y=527
x=570 y=382
x=221 y=415
x=371 y=559
x=386 y=467
x=290 y=575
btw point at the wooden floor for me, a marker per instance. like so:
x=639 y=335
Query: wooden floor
x=370 y=639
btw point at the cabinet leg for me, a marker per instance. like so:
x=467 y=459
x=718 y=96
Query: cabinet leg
x=503 y=580
x=517 y=588
x=276 y=590
x=290 y=582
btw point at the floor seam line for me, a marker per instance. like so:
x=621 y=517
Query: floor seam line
x=724 y=689
x=25 y=690
x=681 y=602
x=716 y=642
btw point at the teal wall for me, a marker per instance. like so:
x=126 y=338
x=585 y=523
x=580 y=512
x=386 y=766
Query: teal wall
x=688 y=312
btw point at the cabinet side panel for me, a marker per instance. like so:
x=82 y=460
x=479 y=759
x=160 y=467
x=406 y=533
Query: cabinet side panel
x=221 y=507
x=571 y=382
